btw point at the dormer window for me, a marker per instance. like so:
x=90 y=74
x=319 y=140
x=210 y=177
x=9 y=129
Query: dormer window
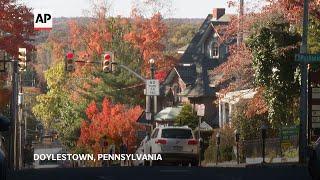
x=214 y=50
x=212 y=47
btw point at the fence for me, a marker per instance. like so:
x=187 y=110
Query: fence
x=274 y=147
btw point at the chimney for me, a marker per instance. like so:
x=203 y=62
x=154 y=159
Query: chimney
x=217 y=13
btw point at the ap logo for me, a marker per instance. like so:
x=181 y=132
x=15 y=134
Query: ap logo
x=42 y=19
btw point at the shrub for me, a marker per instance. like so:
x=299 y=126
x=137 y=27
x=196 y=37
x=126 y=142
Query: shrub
x=226 y=146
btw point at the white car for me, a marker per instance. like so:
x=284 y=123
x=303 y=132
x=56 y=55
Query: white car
x=176 y=145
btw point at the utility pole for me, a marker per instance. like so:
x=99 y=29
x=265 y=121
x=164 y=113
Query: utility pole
x=304 y=86
x=240 y=23
x=20 y=104
x=14 y=113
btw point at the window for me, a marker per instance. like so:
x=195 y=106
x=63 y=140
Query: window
x=214 y=50
x=177 y=133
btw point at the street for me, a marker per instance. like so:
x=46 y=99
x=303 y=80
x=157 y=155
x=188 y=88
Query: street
x=163 y=173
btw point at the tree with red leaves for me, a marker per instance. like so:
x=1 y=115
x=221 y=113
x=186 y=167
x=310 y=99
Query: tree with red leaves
x=16 y=26
x=116 y=122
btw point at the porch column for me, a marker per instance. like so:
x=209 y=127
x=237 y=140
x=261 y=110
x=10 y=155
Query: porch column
x=220 y=113
x=230 y=114
x=224 y=118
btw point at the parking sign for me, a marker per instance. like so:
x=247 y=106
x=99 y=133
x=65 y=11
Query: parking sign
x=153 y=88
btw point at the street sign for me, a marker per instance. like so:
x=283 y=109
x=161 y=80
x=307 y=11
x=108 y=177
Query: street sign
x=289 y=136
x=152 y=87
x=308 y=58
x=289 y=133
x=200 y=110
x=315 y=114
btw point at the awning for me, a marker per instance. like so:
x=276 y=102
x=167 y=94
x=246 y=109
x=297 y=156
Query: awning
x=204 y=127
x=168 y=114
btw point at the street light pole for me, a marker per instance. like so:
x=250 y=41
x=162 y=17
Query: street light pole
x=304 y=86
x=152 y=99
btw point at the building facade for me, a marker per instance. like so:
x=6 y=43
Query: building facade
x=190 y=81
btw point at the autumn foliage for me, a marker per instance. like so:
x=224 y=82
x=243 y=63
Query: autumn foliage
x=237 y=72
x=147 y=35
x=16 y=26
x=117 y=122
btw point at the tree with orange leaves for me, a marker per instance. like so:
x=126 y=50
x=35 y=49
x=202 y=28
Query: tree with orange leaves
x=116 y=122
x=147 y=35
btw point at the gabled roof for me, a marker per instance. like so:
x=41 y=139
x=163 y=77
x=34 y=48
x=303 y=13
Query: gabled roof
x=186 y=73
x=196 y=73
x=194 y=47
x=194 y=65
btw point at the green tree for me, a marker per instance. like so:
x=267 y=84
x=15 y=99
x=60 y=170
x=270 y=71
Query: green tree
x=187 y=117
x=56 y=110
x=273 y=47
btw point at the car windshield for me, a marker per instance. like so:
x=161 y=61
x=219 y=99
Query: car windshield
x=177 y=133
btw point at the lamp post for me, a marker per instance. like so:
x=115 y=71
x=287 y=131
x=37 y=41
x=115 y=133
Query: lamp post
x=263 y=135
x=237 y=138
x=218 y=138
x=152 y=99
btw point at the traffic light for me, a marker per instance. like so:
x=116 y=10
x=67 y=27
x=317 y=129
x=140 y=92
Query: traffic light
x=22 y=59
x=70 y=62
x=107 y=62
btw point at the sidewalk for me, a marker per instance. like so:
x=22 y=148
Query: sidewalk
x=253 y=164
x=226 y=164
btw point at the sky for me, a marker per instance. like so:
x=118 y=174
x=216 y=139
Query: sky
x=75 y=8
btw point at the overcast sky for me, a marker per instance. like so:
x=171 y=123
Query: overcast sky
x=73 y=8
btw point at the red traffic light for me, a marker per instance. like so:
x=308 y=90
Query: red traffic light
x=107 y=57
x=69 y=55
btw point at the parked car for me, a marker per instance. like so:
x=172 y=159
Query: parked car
x=176 y=145
x=314 y=162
